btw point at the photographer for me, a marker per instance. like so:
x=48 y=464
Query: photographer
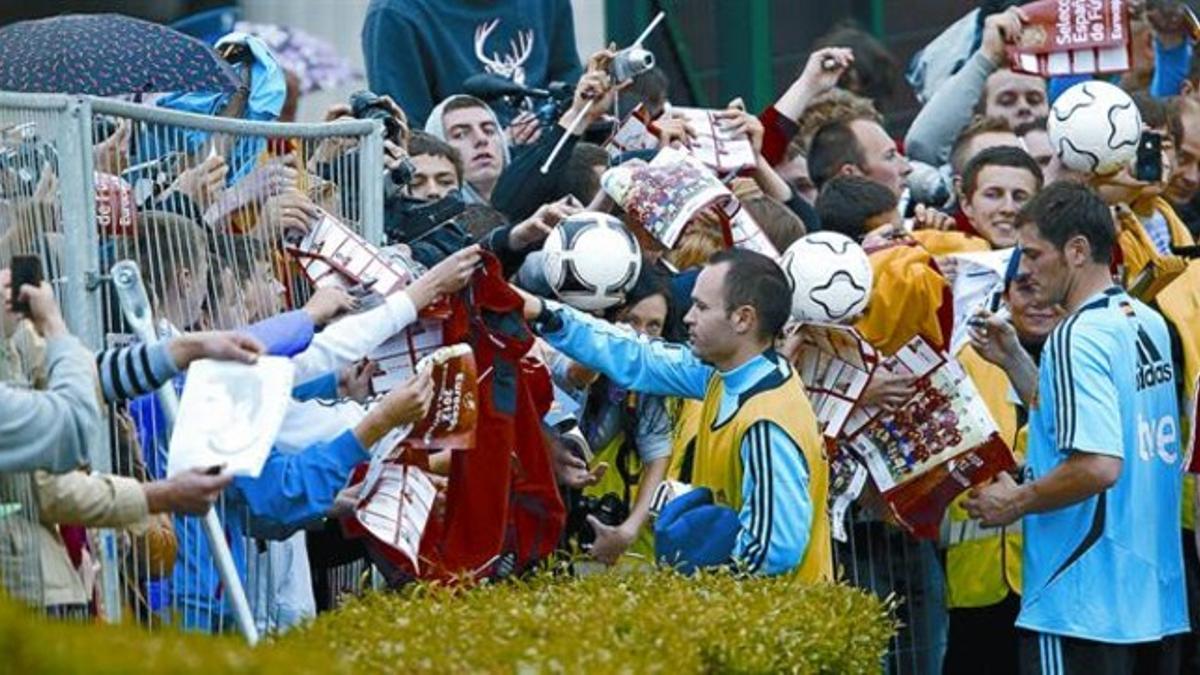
x=522 y=187
x=429 y=217
x=629 y=433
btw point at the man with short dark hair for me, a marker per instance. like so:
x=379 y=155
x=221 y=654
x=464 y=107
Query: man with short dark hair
x=854 y=206
x=437 y=167
x=980 y=134
x=859 y=147
x=1103 y=563
x=994 y=186
x=758 y=451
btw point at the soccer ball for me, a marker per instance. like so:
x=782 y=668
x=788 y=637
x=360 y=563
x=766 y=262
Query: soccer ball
x=830 y=276
x=591 y=260
x=1095 y=127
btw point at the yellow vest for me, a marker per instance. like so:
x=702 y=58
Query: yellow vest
x=1179 y=303
x=983 y=565
x=685 y=417
x=717 y=462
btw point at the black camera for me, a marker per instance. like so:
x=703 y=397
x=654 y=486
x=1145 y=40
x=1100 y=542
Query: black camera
x=556 y=104
x=408 y=220
x=609 y=509
x=367 y=105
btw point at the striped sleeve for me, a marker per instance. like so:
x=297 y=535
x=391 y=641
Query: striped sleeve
x=129 y=372
x=1087 y=413
x=776 y=515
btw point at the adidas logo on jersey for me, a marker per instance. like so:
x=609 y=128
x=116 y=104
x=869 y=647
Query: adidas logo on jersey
x=1153 y=369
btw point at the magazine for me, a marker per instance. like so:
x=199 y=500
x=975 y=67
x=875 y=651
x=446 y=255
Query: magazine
x=1073 y=37
x=920 y=456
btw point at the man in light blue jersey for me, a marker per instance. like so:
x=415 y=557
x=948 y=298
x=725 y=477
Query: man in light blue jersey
x=1103 y=561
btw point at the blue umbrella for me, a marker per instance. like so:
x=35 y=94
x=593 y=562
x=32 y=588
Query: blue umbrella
x=107 y=55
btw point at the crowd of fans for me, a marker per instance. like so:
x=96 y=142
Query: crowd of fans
x=1085 y=561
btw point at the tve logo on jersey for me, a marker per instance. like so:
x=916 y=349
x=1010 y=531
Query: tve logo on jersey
x=1153 y=369
x=1158 y=437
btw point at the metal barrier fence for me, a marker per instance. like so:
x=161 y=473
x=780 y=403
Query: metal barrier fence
x=202 y=204
x=39 y=139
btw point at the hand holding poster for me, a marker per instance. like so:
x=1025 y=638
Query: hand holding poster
x=450 y=422
x=334 y=255
x=939 y=443
x=921 y=455
x=1073 y=37
x=716 y=147
x=664 y=196
x=229 y=415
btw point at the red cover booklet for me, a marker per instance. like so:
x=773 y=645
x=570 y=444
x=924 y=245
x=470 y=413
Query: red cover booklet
x=1073 y=37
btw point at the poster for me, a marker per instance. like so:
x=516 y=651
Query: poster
x=835 y=364
x=229 y=414
x=333 y=255
x=396 y=509
x=666 y=194
x=454 y=412
x=929 y=450
x=396 y=359
x=717 y=148
x=634 y=134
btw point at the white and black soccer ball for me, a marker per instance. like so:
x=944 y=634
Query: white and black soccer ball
x=1094 y=128
x=830 y=276
x=591 y=260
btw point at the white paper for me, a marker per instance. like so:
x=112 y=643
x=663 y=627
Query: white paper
x=229 y=414
x=979 y=276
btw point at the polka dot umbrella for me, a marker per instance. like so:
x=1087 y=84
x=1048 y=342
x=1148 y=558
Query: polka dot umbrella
x=107 y=55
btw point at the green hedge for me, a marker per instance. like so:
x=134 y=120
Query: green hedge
x=610 y=623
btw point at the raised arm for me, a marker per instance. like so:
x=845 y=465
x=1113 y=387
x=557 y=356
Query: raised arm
x=948 y=112
x=49 y=429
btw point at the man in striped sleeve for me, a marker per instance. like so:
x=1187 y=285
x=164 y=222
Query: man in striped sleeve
x=1103 y=560
x=758 y=453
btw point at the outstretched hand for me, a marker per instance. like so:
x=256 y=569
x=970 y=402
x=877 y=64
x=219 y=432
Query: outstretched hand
x=219 y=346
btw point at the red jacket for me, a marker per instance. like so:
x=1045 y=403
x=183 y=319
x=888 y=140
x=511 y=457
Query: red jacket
x=503 y=510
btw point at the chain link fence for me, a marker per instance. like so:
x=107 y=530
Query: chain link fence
x=204 y=206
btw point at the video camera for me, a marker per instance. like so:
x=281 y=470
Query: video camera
x=367 y=105
x=547 y=104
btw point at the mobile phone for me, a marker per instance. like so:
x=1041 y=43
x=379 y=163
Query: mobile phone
x=1148 y=168
x=26 y=269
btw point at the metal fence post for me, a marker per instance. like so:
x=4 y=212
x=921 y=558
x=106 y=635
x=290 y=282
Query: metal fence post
x=370 y=185
x=77 y=194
